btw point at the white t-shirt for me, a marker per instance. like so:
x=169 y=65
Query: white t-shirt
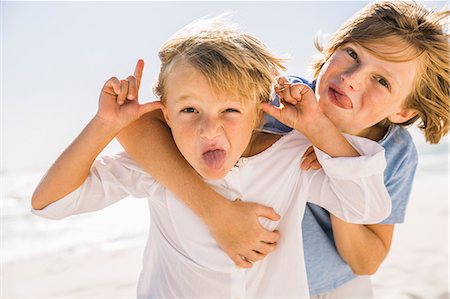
x=181 y=259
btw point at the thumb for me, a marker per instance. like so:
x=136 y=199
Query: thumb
x=267 y=212
x=271 y=110
x=150 y=106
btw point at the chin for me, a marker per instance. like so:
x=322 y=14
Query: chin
x=213 y=174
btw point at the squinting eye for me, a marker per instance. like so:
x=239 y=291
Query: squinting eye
x=352 y=54
x=231 y=110
x=383 y=82
x=189 y=110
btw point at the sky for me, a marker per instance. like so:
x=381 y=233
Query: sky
x=55 y=57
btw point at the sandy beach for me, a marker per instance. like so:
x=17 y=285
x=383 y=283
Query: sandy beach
x=416 y=268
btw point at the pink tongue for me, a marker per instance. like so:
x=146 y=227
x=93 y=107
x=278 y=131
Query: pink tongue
x=343 y=101
x=214 y=159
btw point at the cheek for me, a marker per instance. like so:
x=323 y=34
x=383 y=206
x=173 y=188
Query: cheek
x=184 y=136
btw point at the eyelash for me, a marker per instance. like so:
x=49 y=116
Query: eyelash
x=231 y=110
x=385 y=84
x=193 y=110
x=351 y=51
x=189 y=110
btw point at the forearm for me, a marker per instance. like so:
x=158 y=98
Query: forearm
x=363 y=247
x=324 y=135
x=149 y=142
x=72 y=167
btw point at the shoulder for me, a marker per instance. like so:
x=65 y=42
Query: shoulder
x=399 y=146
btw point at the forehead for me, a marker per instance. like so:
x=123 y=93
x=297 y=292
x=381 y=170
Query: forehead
x=391 y=48
x=185 y=80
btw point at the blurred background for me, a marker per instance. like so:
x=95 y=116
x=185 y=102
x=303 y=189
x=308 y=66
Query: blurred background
x=55 y=57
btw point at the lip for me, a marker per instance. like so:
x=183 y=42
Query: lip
x=211 y=148
x=339 y=98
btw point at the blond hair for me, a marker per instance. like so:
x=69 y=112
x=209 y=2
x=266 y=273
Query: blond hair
x=234 y=63
x=419 y=32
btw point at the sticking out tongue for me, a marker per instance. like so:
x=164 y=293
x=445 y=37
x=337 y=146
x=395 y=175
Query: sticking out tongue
x=343 y=101
x=214 y=159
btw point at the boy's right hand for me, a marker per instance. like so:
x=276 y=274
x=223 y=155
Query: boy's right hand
x=118 y=103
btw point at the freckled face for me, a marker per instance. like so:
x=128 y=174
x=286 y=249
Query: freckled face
x=210 y=131
x=356 y=89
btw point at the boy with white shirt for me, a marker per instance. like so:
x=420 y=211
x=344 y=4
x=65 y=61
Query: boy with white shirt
x=216 y=130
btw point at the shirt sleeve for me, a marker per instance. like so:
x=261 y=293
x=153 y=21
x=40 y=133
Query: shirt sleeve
x=402 y=160
x=111 y=179
x=352 y=188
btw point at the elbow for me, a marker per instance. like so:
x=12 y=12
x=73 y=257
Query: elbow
x=365 y=269
x=37 y=201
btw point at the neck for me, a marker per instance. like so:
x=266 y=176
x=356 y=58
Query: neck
x=259 y=142
x=375 y=133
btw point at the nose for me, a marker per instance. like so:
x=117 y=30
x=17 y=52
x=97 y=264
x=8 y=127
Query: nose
x=210 y=127
x=352 y=78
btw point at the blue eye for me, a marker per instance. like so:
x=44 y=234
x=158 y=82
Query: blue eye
x=383 y=82
x=189 y=110
x=352 y=54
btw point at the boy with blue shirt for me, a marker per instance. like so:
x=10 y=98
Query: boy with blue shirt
x=358 y=89
x=327 y=270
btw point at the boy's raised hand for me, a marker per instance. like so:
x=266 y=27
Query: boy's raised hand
x=299 y=105
x=118 y=103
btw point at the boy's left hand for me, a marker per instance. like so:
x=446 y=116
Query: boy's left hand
x=299 y=106
x=309 y=160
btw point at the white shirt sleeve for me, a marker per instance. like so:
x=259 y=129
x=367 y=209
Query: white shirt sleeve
x=352 y=188
x=111 y=179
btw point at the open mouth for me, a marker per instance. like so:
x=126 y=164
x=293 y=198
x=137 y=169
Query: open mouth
x=339 y=99
x=214 y=158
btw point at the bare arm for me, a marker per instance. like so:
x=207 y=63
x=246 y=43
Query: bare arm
x=117 y=108
x=233 y=224
x=363 y=247
x=71 y=169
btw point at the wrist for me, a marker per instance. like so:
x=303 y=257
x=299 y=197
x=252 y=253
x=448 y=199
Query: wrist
x=312 y=127
x=104 y=126
x=215 y=208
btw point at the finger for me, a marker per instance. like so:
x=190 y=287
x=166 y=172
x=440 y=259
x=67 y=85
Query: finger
x=306 y=163
x=270 y=237
x=271 y=110
x=300 y=90
x=308 y=151
x=281 y=81
x=239 y=262
x=112 y=86
x=265 y=248
x=150 y=106
x=285 y=91
x=132 y=88
x=267 y=212
x=123 y=92
x=253 y=256
x=138 y=70
x=316 y=165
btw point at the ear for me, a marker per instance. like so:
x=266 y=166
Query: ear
x=166 y=114
x=403 y=115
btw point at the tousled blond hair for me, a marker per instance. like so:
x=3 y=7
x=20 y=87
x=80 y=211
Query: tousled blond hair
x=420 y=34
x=234 y=63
